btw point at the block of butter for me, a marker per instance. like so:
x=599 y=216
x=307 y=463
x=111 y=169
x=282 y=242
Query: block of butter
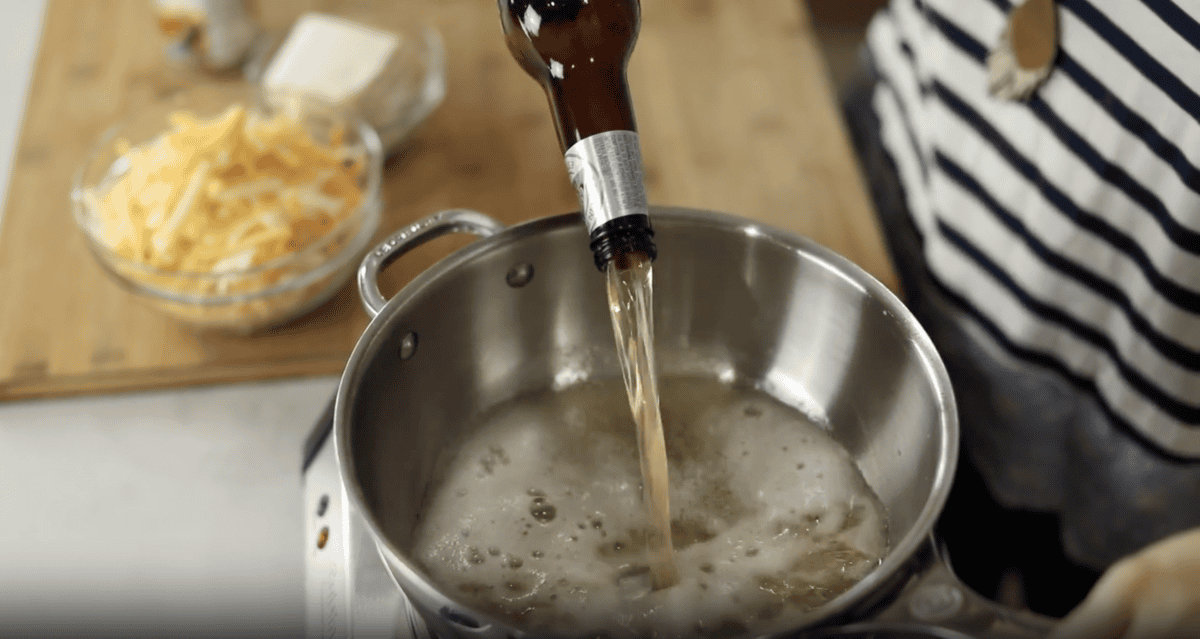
x=391 y=80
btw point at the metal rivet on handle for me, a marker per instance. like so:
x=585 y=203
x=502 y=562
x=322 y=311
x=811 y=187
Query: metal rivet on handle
x=408 y=345
x=936 y=602
x=323 y=537
x=519 y=275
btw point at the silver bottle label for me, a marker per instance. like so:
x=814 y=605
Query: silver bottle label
x=606 y=170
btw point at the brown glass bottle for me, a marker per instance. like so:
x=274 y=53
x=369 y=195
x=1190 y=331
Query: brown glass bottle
x=578 y=50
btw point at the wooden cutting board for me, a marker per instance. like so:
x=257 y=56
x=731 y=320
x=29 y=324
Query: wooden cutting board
x=735 y=111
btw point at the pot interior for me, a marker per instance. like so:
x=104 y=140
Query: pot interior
x=733 y=301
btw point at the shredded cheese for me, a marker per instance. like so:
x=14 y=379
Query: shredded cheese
x=223 y=195
x=202 y=184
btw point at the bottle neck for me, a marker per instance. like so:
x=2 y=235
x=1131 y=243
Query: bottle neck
x=587 y=105
x=614 y=242
x=606 y=170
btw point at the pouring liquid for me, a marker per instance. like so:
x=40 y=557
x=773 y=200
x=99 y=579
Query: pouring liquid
x=578 y=51
x=530 y=520
x=630 y=288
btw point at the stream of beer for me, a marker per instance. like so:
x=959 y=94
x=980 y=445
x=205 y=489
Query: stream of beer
x=630 y=287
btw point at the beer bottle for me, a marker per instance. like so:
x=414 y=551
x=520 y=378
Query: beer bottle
x=578 y=50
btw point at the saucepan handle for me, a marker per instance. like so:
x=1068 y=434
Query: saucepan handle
x=936 y=604
x=410 y=237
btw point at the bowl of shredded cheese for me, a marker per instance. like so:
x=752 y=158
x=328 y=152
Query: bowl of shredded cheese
x=231 y=215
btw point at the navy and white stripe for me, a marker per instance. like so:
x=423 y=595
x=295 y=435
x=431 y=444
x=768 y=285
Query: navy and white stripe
x=1068 y=225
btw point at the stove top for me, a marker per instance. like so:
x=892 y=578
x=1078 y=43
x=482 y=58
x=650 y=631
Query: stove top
x=349 y=590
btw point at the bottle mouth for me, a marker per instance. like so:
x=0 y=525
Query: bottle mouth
x=618 y=238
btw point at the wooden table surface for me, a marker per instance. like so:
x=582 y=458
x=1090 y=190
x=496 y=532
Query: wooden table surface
x=734 y=108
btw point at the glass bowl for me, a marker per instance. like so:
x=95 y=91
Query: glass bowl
x=239 y=294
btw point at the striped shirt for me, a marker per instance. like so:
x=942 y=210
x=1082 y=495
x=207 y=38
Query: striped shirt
x=1066 y=225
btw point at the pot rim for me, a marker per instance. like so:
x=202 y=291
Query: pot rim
x=897 y=557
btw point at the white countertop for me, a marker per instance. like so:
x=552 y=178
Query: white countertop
x=122 y=510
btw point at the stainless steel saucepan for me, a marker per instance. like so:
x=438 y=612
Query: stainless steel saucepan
x=520 y=308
